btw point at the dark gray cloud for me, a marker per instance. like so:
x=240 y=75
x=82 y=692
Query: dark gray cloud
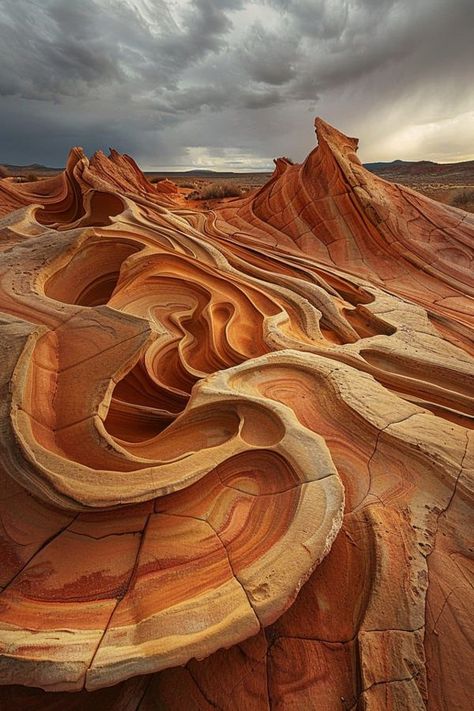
x=234 y=82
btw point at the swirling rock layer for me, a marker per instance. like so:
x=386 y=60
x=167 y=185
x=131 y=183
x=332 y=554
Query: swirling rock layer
x=200 y=411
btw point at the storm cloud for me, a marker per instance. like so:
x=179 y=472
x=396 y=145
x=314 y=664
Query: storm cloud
x=233 y=83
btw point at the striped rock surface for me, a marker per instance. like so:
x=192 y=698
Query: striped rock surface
x=236 y=452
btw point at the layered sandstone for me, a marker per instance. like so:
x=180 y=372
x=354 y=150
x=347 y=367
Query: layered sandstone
x=203 y=410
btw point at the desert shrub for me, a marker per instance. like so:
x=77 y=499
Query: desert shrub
x=463 y=198
x=30 y=177
x=3 y=172
x=187 y=185
x=217 y=191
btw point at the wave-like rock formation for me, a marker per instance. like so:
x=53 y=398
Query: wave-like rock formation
x=203 y=410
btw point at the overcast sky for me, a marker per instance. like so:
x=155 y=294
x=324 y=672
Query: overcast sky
x=230 y=84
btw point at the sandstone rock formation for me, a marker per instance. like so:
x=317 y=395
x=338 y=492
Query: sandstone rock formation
x=202 y=410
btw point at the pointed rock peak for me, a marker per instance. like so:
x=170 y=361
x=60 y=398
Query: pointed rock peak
x=75 y=155
x=281 y=164
x=327 y=134
x=98 y=155
x=131 y=161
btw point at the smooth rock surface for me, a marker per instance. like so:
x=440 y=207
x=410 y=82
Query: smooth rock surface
x=236 y=448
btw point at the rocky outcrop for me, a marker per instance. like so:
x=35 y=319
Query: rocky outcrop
x=202 y=410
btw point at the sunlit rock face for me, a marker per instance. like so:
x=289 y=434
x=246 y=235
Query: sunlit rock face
x=203 y=410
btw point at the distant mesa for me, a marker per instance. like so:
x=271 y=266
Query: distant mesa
x=236 y=448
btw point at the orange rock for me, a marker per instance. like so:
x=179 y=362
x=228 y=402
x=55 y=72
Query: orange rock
x=200 y=411
x=166 y=186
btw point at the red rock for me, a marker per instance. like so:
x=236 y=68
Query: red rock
x=188 y=400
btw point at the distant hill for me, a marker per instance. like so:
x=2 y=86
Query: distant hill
x=32 y=168
x=424 y=170
x=200 y=173
x=401 y=164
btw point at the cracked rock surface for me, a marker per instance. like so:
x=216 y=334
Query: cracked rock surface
x=236 y=448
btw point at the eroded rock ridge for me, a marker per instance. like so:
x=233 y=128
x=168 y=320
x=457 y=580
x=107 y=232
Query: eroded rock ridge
x=203 y=410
